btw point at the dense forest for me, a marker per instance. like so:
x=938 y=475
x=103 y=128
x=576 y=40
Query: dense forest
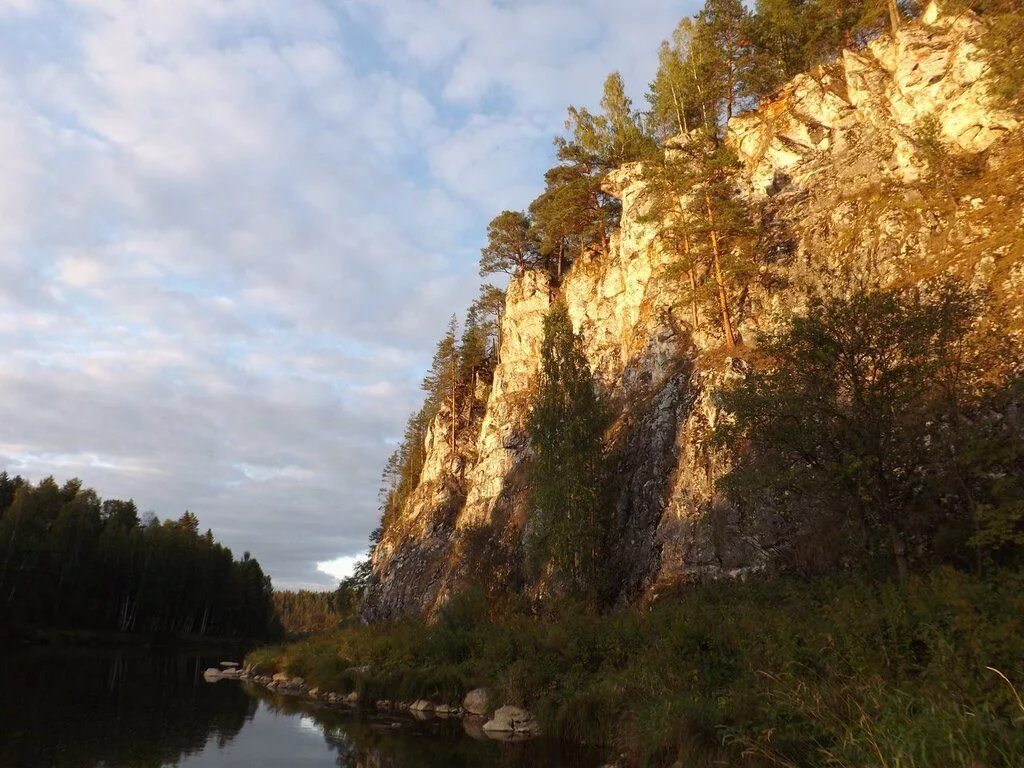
x=69 y=559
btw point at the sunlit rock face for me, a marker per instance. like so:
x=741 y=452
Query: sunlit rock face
x=930 y=71
x=841 y=191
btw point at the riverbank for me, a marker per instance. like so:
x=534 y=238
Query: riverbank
x=837 y=671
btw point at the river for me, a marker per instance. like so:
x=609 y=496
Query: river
x=83 y=708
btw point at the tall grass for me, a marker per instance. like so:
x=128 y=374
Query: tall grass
x=835 y=672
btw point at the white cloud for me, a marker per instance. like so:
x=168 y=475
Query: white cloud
x=230 y=231
x=340 y=567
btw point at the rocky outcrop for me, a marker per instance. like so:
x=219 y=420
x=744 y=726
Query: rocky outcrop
x=929 y=72
x=844 y=190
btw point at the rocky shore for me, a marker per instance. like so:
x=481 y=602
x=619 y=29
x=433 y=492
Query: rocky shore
x=477 y=708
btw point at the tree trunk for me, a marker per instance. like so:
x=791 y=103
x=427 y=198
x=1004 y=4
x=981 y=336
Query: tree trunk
x=899 y=552
x=723 y=297
x=680 y=116
x=894 y=17
x=454 y=414
x=693 y=281
x=498 y=355
x=700 y=93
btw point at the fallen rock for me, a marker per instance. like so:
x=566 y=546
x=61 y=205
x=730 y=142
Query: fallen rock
x=280 y=677
x=212 y=674
x=229 y=664
x=422 y=705
x=478 y=701
x=509 y=719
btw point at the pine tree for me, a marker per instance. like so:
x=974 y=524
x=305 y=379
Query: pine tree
x=691 y=194
x=511 y=245
x=574 y=212
x=486 y=311
x=666 y=191
x=569 y=528
x=724 y=29
x=441 y=381
x=678 y=96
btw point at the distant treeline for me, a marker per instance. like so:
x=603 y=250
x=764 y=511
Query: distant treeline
x=305 y=611
x=68 y=559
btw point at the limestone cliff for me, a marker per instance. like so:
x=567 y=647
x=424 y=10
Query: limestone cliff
x=844 y=192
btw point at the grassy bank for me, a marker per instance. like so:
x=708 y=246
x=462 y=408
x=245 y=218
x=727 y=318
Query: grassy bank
x=842 y=671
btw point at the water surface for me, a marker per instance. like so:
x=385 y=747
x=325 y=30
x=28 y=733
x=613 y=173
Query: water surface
x=136 y=709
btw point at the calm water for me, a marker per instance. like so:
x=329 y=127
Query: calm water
x=86 y=709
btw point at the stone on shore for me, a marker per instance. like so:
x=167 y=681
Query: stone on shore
x=478 y=701
x=512 y=720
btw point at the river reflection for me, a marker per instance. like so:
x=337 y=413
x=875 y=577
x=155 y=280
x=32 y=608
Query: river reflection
x=131 y=709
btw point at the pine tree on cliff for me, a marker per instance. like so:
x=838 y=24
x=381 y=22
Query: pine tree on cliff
x=574 y=212
x=569 y=528
x=475 y=364
x=511 y=245
x=442 y=380
x=722 y=215
x=665 y=193
x=696 y=186
x=725 y=30
x=678 y=97
x=486 y=311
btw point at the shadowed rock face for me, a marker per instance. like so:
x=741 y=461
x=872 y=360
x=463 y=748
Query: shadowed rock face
x=843 y=194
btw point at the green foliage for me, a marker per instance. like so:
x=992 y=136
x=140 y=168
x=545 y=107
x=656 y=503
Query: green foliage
x=462 y=363
x=610 y=138
x=70 y=560
x=485 y=313
x=511 y=245
x=928 y=135
x=724 y=30
x=574 y=212
x=304 y=611
x=692 y=194
x=843 y=671
x=1003 y=47
x=792 y=36
x=871 y=428
x=569 y=526
x=938 y=155
x=679 y=96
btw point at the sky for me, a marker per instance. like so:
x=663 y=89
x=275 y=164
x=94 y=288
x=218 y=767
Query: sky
x=231 y=232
